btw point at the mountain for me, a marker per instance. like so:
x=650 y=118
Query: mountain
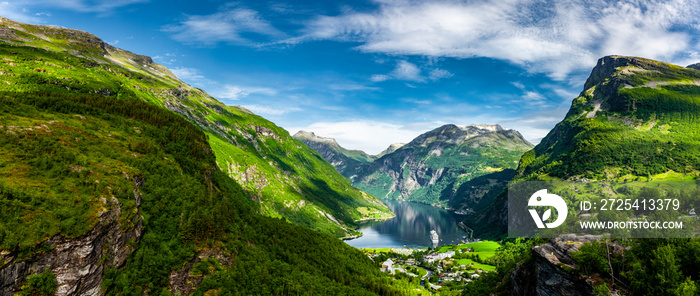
x=434 y=167
x=391 y=149
x=348 y=162
x=460 y=167
x=115 y=178
x=635 y=120
x=285 y=177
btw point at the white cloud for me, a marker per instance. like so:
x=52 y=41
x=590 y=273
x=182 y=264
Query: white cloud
x=350 y=86
x=408 y=71
x=271 y=110
x=99 y=6
x=553 y=37
x=416 y=101
x=437 y=74
x=13 y=11
x=235 y=92
x=91 y=5
x=379 y=77
x=188 y=74
x=225 y=26
x=533 y=96
x=366 y=135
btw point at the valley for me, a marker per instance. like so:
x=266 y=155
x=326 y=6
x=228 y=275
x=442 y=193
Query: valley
x=454 y=167
x=118 y=178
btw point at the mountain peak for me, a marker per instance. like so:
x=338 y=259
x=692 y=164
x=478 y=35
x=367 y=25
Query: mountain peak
x=695 y=66
x=488 y=127
x=82 y=44
x=391 y=149
x=311 y=136
x=451 y=133
x=609 y=65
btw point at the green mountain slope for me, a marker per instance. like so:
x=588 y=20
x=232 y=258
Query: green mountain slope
x=286 y=178
x=87 y=181
x=452 y=166
x=636 y=119
x=105 y=191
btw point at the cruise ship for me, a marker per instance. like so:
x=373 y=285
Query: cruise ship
x=434 y=237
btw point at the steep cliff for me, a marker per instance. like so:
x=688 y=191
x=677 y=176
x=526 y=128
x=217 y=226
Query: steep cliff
x=551 y=270
x=77 y=263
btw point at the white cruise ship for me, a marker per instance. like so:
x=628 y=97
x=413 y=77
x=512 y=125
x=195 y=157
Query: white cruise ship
x=434 y=237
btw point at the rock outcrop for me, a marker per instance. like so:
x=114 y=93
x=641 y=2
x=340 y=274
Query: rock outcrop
x=546 y=273
x=78 y=263
x=695 y=66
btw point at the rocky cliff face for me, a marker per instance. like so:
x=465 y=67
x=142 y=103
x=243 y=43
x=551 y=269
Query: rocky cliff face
x=545 y=274
x=77 y=263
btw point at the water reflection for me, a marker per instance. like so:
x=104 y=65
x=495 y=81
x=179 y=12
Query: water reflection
x=411 y=227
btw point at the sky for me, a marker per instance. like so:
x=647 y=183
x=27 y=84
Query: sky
x=373 y=73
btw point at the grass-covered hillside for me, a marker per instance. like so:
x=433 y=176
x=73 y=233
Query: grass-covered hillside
x=636 y=119
x=69 y=158
x=284 y=176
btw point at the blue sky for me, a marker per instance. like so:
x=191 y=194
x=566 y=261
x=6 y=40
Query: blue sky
x=372 y=73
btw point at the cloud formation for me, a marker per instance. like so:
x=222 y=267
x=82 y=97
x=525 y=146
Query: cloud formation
x=19 y=8
x=236 y=92
x=228 y=25
x=410 y=72
x=190 y=75
x=553 y=37
x=270 y=110
x=89 y=5
x=363 y=134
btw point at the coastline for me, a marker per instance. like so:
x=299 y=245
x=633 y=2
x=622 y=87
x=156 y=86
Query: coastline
x=365 y=220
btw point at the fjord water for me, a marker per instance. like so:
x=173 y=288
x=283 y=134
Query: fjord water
x=411 y=227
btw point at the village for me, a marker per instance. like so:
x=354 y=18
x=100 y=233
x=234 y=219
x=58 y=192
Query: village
x=445 y=268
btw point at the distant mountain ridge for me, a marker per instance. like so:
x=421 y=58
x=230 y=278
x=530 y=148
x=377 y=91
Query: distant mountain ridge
x=434 y=166
x=344 y=160
x=390 y=149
